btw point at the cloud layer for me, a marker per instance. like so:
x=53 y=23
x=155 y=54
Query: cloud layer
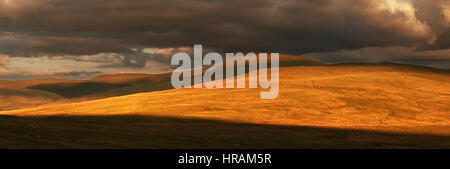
x=33 y=28
x=294 y=26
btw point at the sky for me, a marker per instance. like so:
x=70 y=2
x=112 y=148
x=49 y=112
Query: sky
x=84 y=38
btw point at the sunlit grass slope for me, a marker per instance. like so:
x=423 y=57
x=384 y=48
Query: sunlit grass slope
x=34 y=92
x=346 y=96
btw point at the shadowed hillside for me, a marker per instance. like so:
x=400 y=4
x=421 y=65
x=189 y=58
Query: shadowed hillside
x=21 y=98
x=109 y=85
x=161 y=132
x=29 y=93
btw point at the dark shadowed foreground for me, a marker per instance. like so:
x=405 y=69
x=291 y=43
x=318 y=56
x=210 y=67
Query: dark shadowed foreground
x=161 y=132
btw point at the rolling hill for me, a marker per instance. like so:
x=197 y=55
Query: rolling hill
x=336 y=96
x=34 y=92
x=319 y=106
x=30 y=93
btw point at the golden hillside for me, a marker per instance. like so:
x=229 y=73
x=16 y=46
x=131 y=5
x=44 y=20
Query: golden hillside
x=346 y=96
x=35 y=92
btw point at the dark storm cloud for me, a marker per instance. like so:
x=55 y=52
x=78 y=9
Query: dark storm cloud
x=86 y=27
x=17 y=44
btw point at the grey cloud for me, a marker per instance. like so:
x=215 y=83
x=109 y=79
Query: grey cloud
x=15 y=44
x=106 y=58
x=139 y=57
x=81 y=74
x=85 y=27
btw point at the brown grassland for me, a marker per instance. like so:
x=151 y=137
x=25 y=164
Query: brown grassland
x=333 y=106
